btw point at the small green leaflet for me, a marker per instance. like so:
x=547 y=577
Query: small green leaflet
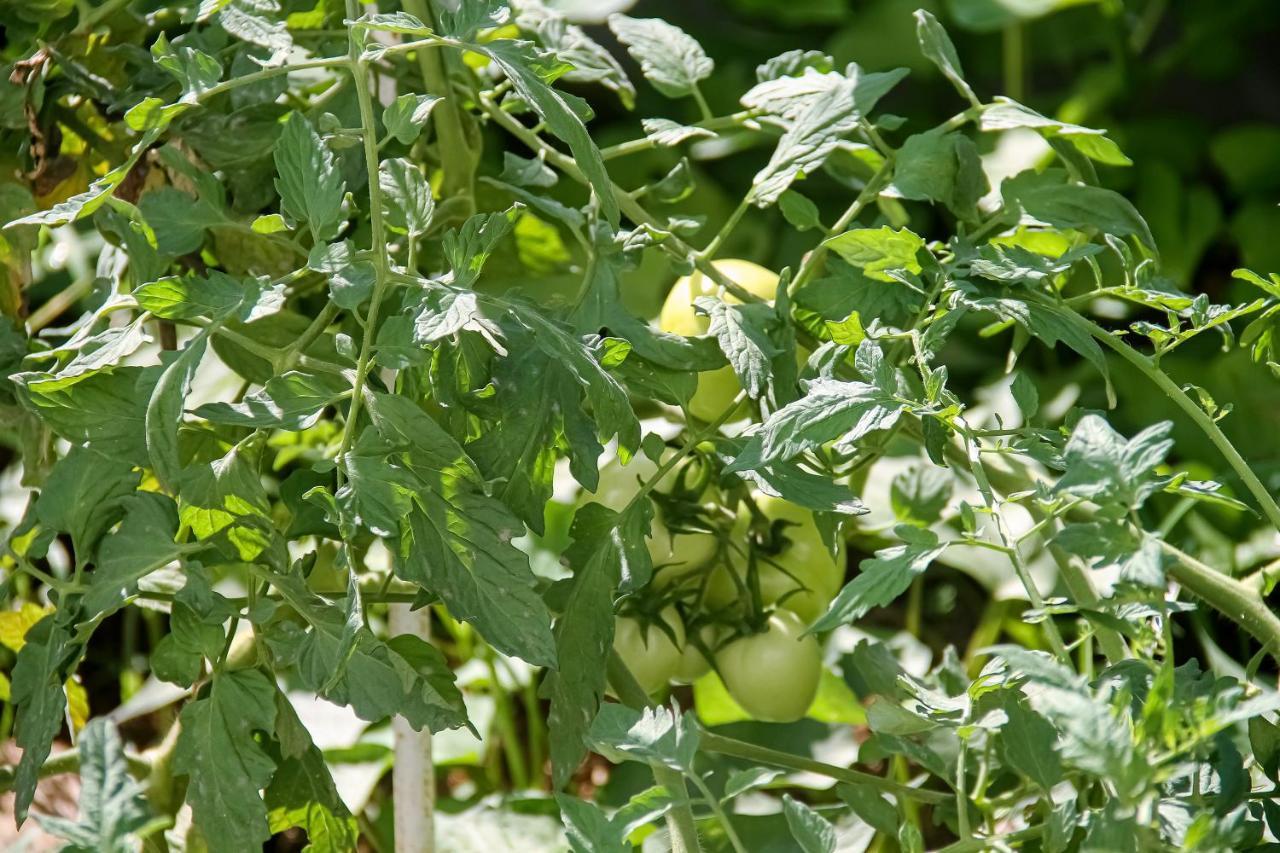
x=591 y=62
x=406 y=116
x=878 y=250
x=311 y=187
x=164 y=410
x=941 y=167
x=143 y=543
x=406 y=196
x=36 y=692
x=811 y=831
x=589 y=829
x=667 y=133
x=654 y=736
x=743 y=334
x=112 y=807
x=302 y=794
x=884 y=577
x=1049 y=198
x=291 y=401
x=404 y=675
x=1102 y=464
x=1027 y=742
x=937 y=46
x=225 y=765
x=1005 y=114
x=195 y=70
x=808 y=142
x=669 y=57
x=831 y=410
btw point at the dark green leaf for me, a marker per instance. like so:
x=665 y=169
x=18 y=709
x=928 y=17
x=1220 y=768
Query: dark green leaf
x=225 y=765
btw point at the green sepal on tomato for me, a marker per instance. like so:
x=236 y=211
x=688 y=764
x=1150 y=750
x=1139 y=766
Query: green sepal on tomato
x=801 y=575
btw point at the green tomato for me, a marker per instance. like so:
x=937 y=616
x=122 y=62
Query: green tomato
x=647 y=651
x=677 y=554
x=773 y=675
x=802 y=578
x=716 y=388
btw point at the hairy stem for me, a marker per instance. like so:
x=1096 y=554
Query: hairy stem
x=1207 y=425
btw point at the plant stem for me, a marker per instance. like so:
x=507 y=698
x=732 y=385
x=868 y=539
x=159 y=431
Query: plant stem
x=635 y=146
x=1207 y=424
x=68 y=761
x=381 y=264
x=680 y=823
x=777 y=758
x=457 y=157
x=1013 y=56
x=1233 y=599
x=719 y=812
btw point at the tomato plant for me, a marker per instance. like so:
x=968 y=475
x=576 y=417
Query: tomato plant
x=386 y=422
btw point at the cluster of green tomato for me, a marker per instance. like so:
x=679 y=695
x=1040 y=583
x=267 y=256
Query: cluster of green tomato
x=735 y=588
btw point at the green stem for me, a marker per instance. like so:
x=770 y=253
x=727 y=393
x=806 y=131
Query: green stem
x=68 y=761
x=381 y=263
x=635 y=146
x=680 y=823
x=1014 y=44
x=268 y=73
x=1207 y=424
x=1233 y=599
x=719 y=812
x=994 y=842
x=777 y=758
x=457 y=158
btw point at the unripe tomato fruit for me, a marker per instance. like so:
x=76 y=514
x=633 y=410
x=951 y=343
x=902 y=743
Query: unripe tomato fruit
x=647 y=650
x=805 y=557
x=716 y=388
x=678 y=554
x=773 y=675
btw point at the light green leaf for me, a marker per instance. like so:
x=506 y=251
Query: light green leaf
x=877 y=250
x=112 y=807
x=937 y=46
x=1005 y=114
x=811 y=831
x=883 y=578
x=669 y=57
x=311 y=187
x=406 y=116
x=654 y=736
x=407 y=196
x=742 y=331
x=292 y=401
